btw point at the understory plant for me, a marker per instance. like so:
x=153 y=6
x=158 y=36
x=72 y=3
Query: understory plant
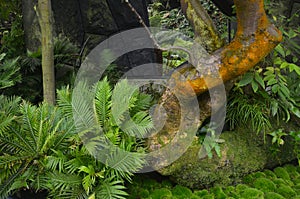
x=42 y=149
x=269 y=95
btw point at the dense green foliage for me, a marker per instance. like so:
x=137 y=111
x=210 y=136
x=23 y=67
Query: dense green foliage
x=40 y=148
x=282 y=182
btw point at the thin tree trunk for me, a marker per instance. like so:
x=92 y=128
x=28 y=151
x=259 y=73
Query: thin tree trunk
x=44 y=12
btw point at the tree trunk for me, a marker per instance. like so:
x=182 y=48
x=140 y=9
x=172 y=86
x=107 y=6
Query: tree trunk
x=254 y=39
x=44 y=12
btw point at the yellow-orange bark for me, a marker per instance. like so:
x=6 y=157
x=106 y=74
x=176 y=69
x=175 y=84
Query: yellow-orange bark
x=254 y=39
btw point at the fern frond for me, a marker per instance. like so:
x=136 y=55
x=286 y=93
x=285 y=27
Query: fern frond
x=64 y=102
x=125 y=161
x=139 y=125
x=111 y=189
x=123 y=100
x=82 y=107
x=102 y=102
x=9 y=110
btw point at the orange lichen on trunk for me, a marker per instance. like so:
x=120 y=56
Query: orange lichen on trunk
x=254 y=39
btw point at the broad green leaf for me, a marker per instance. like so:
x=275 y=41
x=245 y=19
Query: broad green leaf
x=247 y=79
x=259 y=79
x=271 y=82
x=274 y=108
x=295 y=111
x=254 y=86
x=280 y=50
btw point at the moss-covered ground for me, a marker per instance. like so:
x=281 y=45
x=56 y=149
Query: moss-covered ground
x=280 y=183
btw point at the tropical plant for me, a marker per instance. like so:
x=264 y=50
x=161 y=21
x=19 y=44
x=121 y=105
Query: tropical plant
x=26 y=144
x=91 y=176
x=39 y=149
x=9 y=72
x=65 y=55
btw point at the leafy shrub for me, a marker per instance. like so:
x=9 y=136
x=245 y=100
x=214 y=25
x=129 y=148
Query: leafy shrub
x=40 y=149
x=9 y=72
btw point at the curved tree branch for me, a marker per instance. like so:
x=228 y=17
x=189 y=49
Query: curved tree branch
x=254 y=39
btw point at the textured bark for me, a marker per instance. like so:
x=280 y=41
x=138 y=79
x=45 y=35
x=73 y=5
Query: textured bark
x=254 y=39
x=46 y=22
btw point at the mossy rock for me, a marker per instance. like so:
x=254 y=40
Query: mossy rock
x=297 y=180
x=201 y=193
x=166 y=184
x=195 y=197
x=292 y=170
x=259 y=174
x=264 y=184
x=243 y=152
x=248 y=179
x=286 y=191
x=210 y=196
x=241 y=187
x=162 y=193
x=230 y=192
x=282 y=173
x=218 y=192
x=181 y=192
x=270 y=174
x=251 y=193
x=150 y=184
x=273 y=195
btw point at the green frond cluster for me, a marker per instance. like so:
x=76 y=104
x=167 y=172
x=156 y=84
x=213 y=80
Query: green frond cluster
x=241 y=110
x=78 y=149
x=9 y=72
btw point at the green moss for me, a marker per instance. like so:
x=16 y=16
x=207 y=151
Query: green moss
x=259 y=175
x=162 y=193
x=292 y=170
x=286 y=191
x=251 y=193
x=201 y=193
x=181 y=192
x=279 y=181
x=264 y=184
x=241 y=187
x=297 y=180
x=195 y=197
x=150 y=184
x=218 y=192
x=270 y=174
x=144 y=193
x=273 y=195
x=210 y=196
x=282 y=173
x=248 y=179
x=166 y=184
x=230 y=191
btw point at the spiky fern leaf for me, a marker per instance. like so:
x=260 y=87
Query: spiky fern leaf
x=39 y=132
x=102 y=102
x=9 y=109
x=9 y=72
x=111 y=189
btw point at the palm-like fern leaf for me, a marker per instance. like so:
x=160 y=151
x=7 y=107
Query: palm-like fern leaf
x=103 y=101
x=9 y=109
x=111 y=189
